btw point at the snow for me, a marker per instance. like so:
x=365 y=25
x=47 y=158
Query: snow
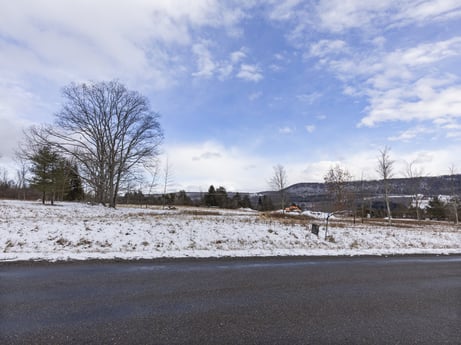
x=32 y=231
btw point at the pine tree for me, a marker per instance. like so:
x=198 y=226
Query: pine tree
x=210 y=197
x=45 y=170
x=55 y=177
x=221 y=197
x=246 y=202
x=436 y=209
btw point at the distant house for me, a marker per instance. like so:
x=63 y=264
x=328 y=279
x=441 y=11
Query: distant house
x=293 y=208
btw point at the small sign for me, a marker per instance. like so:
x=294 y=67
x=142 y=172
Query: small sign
x=315 y=229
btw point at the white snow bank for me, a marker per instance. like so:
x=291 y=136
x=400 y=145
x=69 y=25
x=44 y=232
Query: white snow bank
x=31 y=231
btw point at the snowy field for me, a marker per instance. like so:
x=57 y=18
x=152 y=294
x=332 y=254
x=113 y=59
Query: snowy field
x=32 y=231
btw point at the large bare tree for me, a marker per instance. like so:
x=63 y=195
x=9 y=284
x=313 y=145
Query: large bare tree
x=279 y=182
x=385 y=171
x=109 y=130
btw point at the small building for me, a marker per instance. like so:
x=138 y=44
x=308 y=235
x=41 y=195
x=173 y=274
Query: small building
x=293 y=208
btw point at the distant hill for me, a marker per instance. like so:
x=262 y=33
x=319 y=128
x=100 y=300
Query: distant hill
x=314 y=195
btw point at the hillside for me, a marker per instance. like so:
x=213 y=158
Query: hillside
x=313 y=195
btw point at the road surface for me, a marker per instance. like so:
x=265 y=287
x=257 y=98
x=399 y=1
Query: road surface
x=363 y=300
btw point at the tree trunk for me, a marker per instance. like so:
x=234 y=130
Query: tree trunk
x=386 y=197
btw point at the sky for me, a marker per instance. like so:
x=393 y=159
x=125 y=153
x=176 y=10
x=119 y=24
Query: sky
x=244 y=85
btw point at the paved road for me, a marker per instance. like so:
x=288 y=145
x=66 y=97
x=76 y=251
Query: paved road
x=400 y=300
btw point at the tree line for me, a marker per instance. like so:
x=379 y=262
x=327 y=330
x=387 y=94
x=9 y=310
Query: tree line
x=215 y=197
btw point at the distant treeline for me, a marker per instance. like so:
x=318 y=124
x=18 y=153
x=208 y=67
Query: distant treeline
x=215 y=197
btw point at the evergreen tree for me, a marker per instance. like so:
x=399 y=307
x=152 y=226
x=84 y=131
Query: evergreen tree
x=46 y=172
x=246 y=202
x=183 y=199
x=55 y=177
x=236 y=201
x=436 y=209
x=221 y=197
x=265 y=203
x=210 y=197
x=240 y=202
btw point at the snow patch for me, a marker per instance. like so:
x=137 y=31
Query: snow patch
x=31 y=231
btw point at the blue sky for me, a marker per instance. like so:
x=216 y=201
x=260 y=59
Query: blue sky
x=244 y=85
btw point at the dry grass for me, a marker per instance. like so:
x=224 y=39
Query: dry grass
x=295 y=219
x=200 y=212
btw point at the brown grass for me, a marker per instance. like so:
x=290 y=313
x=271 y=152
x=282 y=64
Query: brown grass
x=287 y=219
x=200 y=212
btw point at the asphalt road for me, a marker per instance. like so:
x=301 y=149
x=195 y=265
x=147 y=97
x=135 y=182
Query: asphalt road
x=399 y=300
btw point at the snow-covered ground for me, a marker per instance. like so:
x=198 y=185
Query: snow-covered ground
x=31 y=231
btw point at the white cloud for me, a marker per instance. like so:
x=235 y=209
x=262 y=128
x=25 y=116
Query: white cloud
x=350 y=91
x=255 y=95
x=197 y=166
x=225 y=71
x=18 y=108
x=404 y=84
x=275 y=68
x=205 y=64
x=208 y=66
x=238 y=55
x=250 y=73
x=72 y=41
x=327 y=47
x=433 y=162
x=420 y=101
x=310 y=128
x=379 y=41
x=363 y=163
x=425 y=53
x=207 y=155
x=283 y=10
x=309 y=97
x=429 y=10
x=286 y=130
x=410 y=134
x=338 y=15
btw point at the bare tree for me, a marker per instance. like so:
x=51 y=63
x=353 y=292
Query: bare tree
x=336 y=183
x=279 y=182
x=362 y=196
x=415 y=175
x=153 y=168
x=384 y=169
x=454 y=198
x=21 y=175
x=167 y=179
x=108 y=130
